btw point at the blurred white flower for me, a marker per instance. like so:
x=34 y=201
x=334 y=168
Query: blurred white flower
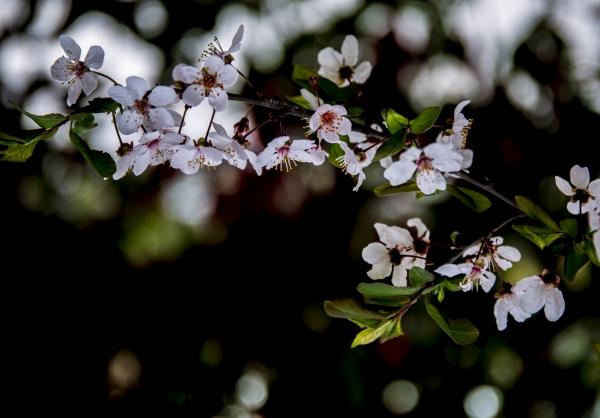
x=341 y=67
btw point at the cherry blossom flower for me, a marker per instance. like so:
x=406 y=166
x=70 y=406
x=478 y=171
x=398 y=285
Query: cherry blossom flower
x=503 y=255
x=283 y=153
x=208 y=81
x=236 y=154
x=193 y=155
x=341 y=67
x=457 y=135
x=508 y=302
x=215 y=48
x=355 y=160
x=78 y=73
x=476 y=273
x=429 y=164
x=580 y=190
x=143 y=107
x=125 y=160
x=400 y=250
x=329 y=122
x=537 y=292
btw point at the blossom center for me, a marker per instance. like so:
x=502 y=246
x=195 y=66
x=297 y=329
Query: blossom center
x=424 y=163
x=330 y=121
x=77 y=68
x=395 y=256
x=209 y=81
x=346 y=72
x=581 y=195
x=142 y=106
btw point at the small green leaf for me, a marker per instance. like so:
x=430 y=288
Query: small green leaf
x=45 y=121
x=591 y=251
x=539 y=235
x=391 y=146
x=300 y=101
x=440 y=294
x=536 y=212
x=453 y=237
x=100 y=105
x=474 y=200
x=425 y=120
x=576 y=258
x=394 y=121
x=82 y=123
x=100 y=161
x=385 y=189
x=392 y=331
x=385 y=294
x=21 y=149
x=349 y=309
x=569 y=225
x=462 y=331
x=335 y=153
x=332 y=90
x=385 y=330
x=418 y=277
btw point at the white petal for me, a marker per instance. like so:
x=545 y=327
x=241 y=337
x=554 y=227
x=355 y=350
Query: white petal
x=95 y=57
x=362 y=72
x=129 y=121
x=380 y=271
x=138 y=86
x=509 y=253
x=70 y=47
x=399 y=276
x=312 y=101
x=429 y=181
x=160 y=118
x=386 y=162
x=375 y=252
x=575 y=207
x=123 y=165
x=555 y=303
x=60 y=69
x=330 y=59
x=214 y=64
x=218 y=99
x=502 y=263
x=186 y=73
x=467 y=156
x=501 y=312
x=594 y=188
x=356 y=137
x=350 y=50
x=193 y=95
x=228 y=75
x=487 y=280
x=141 y=162
x=162 y=96
x=74 y=92
x=89 y=82
x=399 y=172
x=422 y=230
x=185 y=159
x=448 y=270
x=315 y=121
x=594 y=220
x=236 y=42
x=596 y=239
x=345 y=127
x=580 y=177
x=564 y=186
x=515 y=309
x=393 y=236
x=121 y=95
x=530 y=293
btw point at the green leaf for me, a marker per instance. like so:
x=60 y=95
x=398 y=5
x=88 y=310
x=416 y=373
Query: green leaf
x=591 y=251
x=425 y=120
x=349 y=309
x=82 y=123
x=385 y=189
x=536 y=212
x=395 y=121
x=335 y=152
x=300 y=101
x=386 y=331
x=45 y=121
x=474 y=200
x=391 y=146
x=453 y=237
x=440 y=294
x=569 y=225
x=385 y=294
x=539 y=235
x=100 y=161
x=332 y=90
x=418 y=277
x=301 y=75
x=100 y=105
x=462 y=331
x=21 y=149
x=576 y=258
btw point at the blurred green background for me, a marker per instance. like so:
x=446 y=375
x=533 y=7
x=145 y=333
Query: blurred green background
x=202 y=295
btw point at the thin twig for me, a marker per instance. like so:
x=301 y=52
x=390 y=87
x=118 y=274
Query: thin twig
x=488 y=188
x=185 y=109
x=114 y=118
x=106 y=76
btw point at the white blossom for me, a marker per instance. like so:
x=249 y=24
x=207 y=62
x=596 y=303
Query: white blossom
x=208 y=81
x=78 y=73
x=329 y=121
x=476 y=273
x=341 y=67
x=400 y=250
x=236 y=154
x=457 y=136
x=508 y=302
x=503 y=255
x=534 y=294
x=143 y=107
x=215 y=48
x=580 y=190
x=193 y=155
x=283 y=153
x=429 y=164
x=355 y=160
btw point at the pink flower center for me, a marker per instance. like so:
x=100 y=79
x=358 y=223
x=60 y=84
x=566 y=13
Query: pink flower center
x=330 y=121
x=142 y=106
x=424 y=163
x=77 y=68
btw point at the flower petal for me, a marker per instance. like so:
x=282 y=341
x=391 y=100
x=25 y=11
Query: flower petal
x=429 y=181
x=509 y=253
x=70 y=47
x=141 y=162
x=129 y=121
x=162 y=96
x=138 y=86
x=564 y=186
x=575 y=207
x=594 y=188
x=555 y=303
x=350 y=50
x=218 y=99
x=186 y=73
x=160 y=118
x=399 y=275
x=362 y=72
x=501 y=312
x=375 y=252
x=60 y=69
x=380 y=271
x=89 y=82
x=74 y=92
x=448 y=270
x=487 y=280
x=121 y=95
x=330 y=59
x=530 y=293
x=214 y=64
x=580 y=177
x=394 y=236
x=193 y=95
x=228 y=75
x=95 y=57
x=399 y=172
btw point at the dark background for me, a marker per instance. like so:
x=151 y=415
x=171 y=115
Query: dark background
x=73 y=297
